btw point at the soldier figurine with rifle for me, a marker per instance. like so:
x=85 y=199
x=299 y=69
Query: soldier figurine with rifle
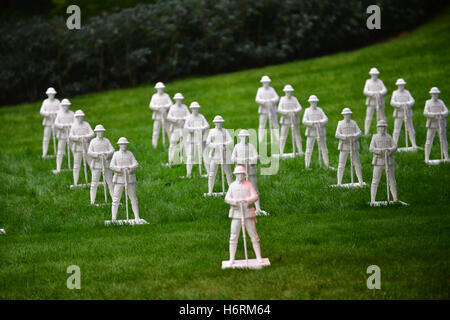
x=49 y=110
x=375 y=91
x=266 y=98
x=63 y=123
x=178 y=113
x=160 y=104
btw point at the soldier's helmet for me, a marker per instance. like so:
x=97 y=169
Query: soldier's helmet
x=287 y=88
x=194 y=105
x=159 y=85
x=99 y=127
x=178 y=96
x=346 y=111
x=313 y=98
x=50 y=90
x=218 y=119
x=381 y=123
x=122 y=140
x=265 y=79
x=400 y=82
x=374 y=71
x=434 y=90
x=239 y=170
x=243 y=133
x=79 y=113
x=65 y=102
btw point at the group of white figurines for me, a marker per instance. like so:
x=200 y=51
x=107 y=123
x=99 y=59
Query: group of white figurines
x=189 y=133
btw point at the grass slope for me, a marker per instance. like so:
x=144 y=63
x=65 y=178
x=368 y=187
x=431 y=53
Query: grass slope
x=320 y=241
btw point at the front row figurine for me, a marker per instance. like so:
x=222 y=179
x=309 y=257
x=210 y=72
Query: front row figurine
x=383 y=148
x=348 y=134
x=240 y=196
x=436 y=111
x=123 y=163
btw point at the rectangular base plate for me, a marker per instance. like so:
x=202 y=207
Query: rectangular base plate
x=288 y=155
x=215 y=194
x=81 y=185
x=386 y=203
x=247 y=264
x=437 y=161
x=408 y=149
x=62 y=170
x=130 y=222
x=48 y=157
x=349 y=185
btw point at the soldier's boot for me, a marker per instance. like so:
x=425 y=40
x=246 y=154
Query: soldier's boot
x=427 y=151
x=171 y=152
x=59 y=159
x=282 y=144
x=325 y=158
x=211 y=179
x=257 y=249
x=188 y=170
x=93 y=192
x=373 y=192
x=135 y=207
x=412 y=137
x=45 y=144
x=298 y=142
x=340 y=173
x=233 y=247
x=76 y=175
x=393 y=187
x=445 y=151
x=307 y=159
x=155 y=140
x=358 y=170
x=367 y=126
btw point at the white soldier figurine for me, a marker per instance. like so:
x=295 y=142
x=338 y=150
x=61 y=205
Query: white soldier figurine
x=80 y=135
x=100 y=151
x=220 y=143
x=267 y=98
x=375 y=91
x=63 y=123
x=383 y=148
x=315 y=120
x=348 y=134
x=240 y=196
x=178 y=113
x=160 y=104
x=195 y=128
x=245 y=154
x=123 y=163
x=402 y=101
x=436 y=111
x=289 y=108
x=49 y=110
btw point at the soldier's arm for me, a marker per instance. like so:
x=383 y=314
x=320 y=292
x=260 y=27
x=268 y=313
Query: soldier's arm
x=411 y=100
x=281 y=107
x=170 y=117
x=205 y=123
x=169 y=102
x=152 y=105
x=445 y=112
x=134 y=164
x=339 y=134
x=366 y=90
x=393 y=147
x=253 y=154
x=305 y=120
x=324 y=119
x=253 y=194
x=111 y=150
x=91 y=133
x=91 y=153
x=358 y=133
x=299 y=107
x=228 y=139
x=393 y=100
x=229 y=198
x=372 y=147
x=259 y=100
x=426 y=110
x=42 y=110
x=276 y=97
x=383 y=89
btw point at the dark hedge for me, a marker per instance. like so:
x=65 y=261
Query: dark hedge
x=168 y=39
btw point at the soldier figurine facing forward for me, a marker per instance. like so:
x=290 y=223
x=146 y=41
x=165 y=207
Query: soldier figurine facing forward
x=49 y=110
x=375 y=91
x=160 y=104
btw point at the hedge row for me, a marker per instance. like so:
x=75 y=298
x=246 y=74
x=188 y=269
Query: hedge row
x=170 y=38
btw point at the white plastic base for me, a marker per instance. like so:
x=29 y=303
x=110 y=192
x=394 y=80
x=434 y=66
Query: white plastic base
x=387 y=203
x=54 y=171
x=215 y=194
x=247 y=264
x=350 y=185
x=48 y=157
x=130 y=222
x=2 y=231
x=288 y=155
x=437 y=161
x=408 y=149
x=104 y=204
x=81 y=185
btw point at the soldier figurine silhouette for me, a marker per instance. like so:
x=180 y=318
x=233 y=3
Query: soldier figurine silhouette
x=63 y=123
x=375 y=91
x=178 y=113
x=49 y=110
x=160 y=104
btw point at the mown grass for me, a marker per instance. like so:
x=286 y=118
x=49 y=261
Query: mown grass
x=320 y=240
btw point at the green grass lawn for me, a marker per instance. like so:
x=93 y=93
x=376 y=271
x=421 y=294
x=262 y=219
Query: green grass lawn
x=320 y=240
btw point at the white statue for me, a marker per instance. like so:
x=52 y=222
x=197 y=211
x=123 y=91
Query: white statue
x=100 y=151
x=178 y=113
x=194 y=133
x=63 y=122
x=160 y=104
x=219 y=142
x=383 y=148
x=49 y=110
x=266 y=98
x=123 y=163
x=402 y=101
x=245 y=154
x=375 y=91
x=2 y=231
x=436 y=111
x=315 y=120
x=348 y=134
x=80 y=135
x=240 y=196
x=289 y=108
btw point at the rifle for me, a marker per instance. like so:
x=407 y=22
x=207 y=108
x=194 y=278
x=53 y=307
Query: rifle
x=68 y=146
x=84 y=160
x=318 y=144
x=124 y=170
x=103 y=174
x=351 y=159
x=241 y=205
x=387 y=174
x=292 y=133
